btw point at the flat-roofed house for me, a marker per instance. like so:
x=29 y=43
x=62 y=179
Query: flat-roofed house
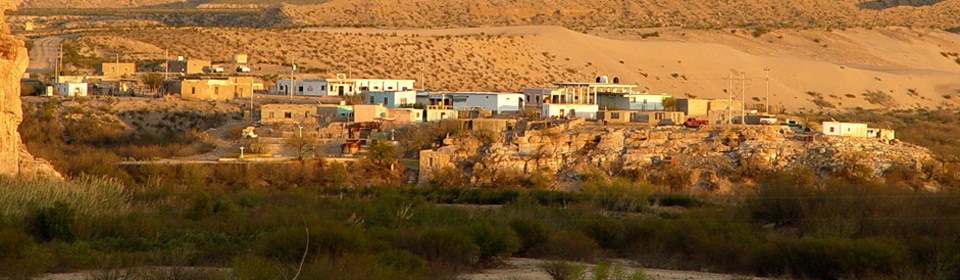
x=342 y=86
x=112 y=70
x=391 y=99
x=222 y=89
x=288 y=113
x=497 y=102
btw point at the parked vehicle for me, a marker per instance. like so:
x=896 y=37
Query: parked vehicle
x=695 y=123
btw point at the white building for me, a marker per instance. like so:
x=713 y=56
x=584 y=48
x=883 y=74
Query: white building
x=536 y=97
x=497 y=102
x=341 y=86
x=845 y=129
x=632 y=101
x=71 y=89
x=586 y=111
x=860 y=130
x=391 y=99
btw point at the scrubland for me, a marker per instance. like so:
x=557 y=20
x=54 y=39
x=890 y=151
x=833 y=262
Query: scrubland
x=360 y=219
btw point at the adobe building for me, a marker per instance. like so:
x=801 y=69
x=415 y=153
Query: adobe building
x=188 y=67
x=110 y=70
x=216 y=89
x=288 y=114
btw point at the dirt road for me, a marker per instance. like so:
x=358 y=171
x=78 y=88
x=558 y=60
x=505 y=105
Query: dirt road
x=43 y=56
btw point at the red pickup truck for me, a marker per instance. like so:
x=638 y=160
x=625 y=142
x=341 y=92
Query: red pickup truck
x=695 y=123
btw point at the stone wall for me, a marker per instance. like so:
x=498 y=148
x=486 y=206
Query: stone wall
x=14 y=159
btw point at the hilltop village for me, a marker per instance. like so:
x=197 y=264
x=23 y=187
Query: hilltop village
x=604 y=125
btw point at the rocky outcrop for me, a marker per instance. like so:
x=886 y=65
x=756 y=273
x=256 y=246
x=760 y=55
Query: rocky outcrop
x=14 y=158
x=708 y=160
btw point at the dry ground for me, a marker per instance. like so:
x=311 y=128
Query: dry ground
x=810 y=69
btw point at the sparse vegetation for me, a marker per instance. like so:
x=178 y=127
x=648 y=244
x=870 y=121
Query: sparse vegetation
x=878 y=97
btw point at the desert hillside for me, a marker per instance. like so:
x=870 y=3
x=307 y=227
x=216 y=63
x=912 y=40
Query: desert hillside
x=574 y=14
x=584 y=14
x=820 y=70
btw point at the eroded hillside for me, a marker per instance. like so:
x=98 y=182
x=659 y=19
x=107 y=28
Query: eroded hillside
x=583 y=14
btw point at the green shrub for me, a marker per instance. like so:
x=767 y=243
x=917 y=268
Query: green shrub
x=494 y=241
x=560 y=270
x=531 y=233
x=20 y=258
x=608 y=232
x=441 y=245
x=52 y=223
x=568 y=245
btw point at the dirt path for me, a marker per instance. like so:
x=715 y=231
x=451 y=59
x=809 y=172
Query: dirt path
x=529 y=269
x=43 y=56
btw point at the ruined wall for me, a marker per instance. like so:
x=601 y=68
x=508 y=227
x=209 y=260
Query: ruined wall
x=14 y=158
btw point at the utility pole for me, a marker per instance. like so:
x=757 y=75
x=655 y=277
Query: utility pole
x=730 y=99
x=766 y=106
x=293 y=79
x=59 y=64
x=166 y=64
x=743 y=98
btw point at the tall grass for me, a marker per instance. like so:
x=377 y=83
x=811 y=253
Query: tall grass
x=88 y=196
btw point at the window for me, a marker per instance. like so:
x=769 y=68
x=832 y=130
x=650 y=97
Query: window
x=833 y=129
x=371 y=100
x=300 y=89
x=403 y=101
x=406 y=88
x=389 y=88
x=271 y=115
x=323 y=88
x=193 y=90
x=287 y=115
x=306 y=114
x=615 y=116
x=385 y=101
x=216 y=91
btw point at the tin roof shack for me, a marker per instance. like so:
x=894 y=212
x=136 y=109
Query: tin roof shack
x=641 y=117
x=288 y=114
x=111 y=70
x=216 y=88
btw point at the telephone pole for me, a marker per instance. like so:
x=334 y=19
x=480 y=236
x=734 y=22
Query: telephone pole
x=743 y=98
x=293 y=79
x=59 y=63
x=730 y=98
x=766 y=106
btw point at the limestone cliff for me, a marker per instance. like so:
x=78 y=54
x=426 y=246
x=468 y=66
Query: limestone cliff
x=704 y=160
x=14 y=158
